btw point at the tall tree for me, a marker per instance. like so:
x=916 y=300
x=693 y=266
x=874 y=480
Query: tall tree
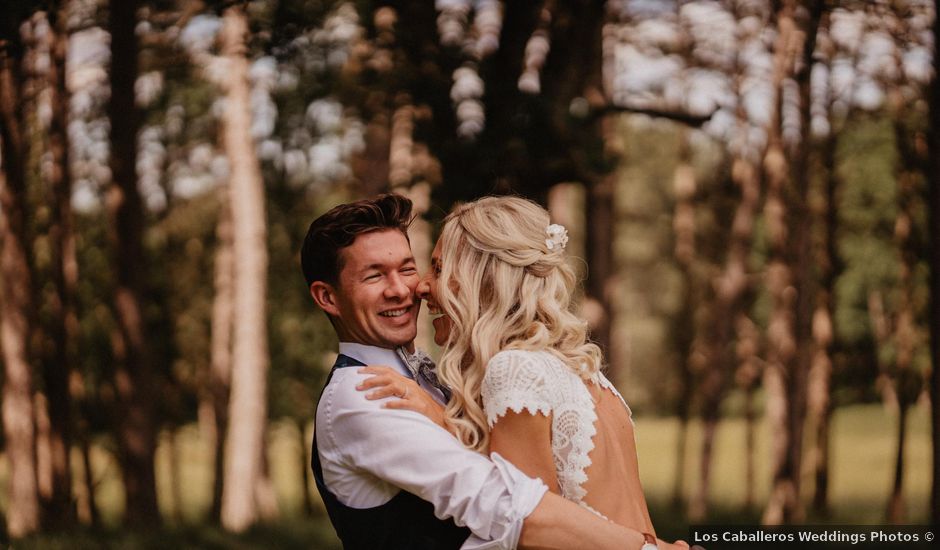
x=22 y=517
x=933 y=217
x=825 y=215
x=247 y=415
x=133 y=374
x=731 y=284
x=907 y=174
x=60 y=348
x=788 y=333
x=220 y=365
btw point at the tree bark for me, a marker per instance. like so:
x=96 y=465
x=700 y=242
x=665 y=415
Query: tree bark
x=684 y=338
x=896 y=512
x=220 y=369
x=22 y=516
x=266 y=496
x=933 y=236
x=818 y=398
x=788 y=274
x=133 y=372
x=684 y=252
x=901 y=374
x=57 y=363
x=748 y=374
x=247 y=403
x=88 y=509
x=599 y=248
x=910 y=163
x=304 y=465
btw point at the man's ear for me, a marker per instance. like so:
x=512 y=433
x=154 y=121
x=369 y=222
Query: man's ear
x=325 y=296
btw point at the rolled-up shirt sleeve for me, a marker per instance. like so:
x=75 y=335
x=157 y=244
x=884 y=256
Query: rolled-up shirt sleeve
x=405 y=449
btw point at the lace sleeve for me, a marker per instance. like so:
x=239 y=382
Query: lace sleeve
x=516 y=380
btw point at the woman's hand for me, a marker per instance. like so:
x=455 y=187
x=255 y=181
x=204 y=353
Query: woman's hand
x=386 y=382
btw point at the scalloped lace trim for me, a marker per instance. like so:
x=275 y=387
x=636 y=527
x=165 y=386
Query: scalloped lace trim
x=540 y=383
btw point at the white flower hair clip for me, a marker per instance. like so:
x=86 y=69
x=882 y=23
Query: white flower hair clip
x=557 y=236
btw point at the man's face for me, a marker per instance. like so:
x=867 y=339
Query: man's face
x=375 y=295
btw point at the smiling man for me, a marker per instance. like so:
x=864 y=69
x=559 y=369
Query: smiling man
x=392 y=478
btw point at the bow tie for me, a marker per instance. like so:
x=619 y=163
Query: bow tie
x=421 y=365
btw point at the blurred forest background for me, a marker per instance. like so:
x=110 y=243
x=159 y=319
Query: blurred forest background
x=750 y=185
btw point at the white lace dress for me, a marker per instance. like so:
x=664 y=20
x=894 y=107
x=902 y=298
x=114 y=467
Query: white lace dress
x=538 y=382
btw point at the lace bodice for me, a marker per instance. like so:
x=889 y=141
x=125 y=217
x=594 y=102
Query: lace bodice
x=540 y=383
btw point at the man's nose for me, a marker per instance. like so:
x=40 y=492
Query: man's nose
x=397 y=288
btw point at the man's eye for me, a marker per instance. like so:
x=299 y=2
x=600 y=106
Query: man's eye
x=373 y=276
x=409 y=270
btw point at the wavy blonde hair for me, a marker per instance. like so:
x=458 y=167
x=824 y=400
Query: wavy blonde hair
x=503 y=288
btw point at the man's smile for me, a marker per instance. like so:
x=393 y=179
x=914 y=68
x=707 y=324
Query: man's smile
x=395 y=312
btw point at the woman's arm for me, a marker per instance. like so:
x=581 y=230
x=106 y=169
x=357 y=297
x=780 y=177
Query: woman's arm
x=557 y=524
x=525 y=439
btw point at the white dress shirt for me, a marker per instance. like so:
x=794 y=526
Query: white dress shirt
x=369 y=453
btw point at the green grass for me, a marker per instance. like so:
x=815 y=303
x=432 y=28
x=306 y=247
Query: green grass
x=862 y=455
x=862 y=468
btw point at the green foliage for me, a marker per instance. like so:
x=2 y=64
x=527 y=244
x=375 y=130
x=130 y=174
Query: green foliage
x=868 y=164
x=867 y=210
x=652 y=288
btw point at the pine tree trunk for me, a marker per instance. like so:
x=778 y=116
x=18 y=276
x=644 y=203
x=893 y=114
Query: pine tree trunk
x=247 y=412
x=304 y=465
x=933 y=239
x=22 y=517
x=788 y=271
x=750 y=448
x=684 y=333
x=780 y=337
x=43 y=449
x=57 y=364
x=905 y=380
x=684 y=338
x=731 y=286
x=265 y=495
x=221 y=362
x=895 y=513
x=133 y=373
x=93 y=518
x=600 y=219
x=684 y=188
x=819 y=402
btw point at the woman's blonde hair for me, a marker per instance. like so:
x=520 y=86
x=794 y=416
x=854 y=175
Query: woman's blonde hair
x=503 y=288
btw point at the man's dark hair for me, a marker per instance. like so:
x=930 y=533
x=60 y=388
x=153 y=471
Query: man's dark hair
x=338 y=228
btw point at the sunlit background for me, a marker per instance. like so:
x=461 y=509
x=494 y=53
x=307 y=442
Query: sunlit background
x=746 y=183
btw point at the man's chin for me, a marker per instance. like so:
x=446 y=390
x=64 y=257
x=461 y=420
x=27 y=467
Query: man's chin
x=405 y=340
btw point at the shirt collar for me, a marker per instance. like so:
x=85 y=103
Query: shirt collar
x=374 y=355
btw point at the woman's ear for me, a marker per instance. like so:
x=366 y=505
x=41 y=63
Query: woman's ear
x=325 y=296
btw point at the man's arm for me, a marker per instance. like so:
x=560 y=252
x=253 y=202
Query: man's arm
x=359 y=439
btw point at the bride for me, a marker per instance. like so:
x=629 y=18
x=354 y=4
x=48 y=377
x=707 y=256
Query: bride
x=526 y=382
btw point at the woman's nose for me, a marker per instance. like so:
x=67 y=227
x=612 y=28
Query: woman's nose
x=424 y=288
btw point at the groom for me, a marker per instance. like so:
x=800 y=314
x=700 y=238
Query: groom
x=393 y=479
